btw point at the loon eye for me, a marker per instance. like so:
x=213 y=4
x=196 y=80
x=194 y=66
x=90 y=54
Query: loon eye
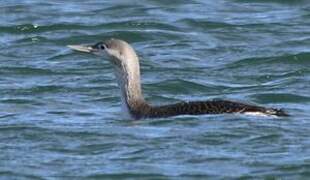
x=101 y=46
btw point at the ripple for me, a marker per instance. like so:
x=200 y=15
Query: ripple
x=204 y=24
x=26 y=71
x=281 y=97
x=298 y=59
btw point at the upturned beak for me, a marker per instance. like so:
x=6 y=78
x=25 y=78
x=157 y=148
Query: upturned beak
x=82 y=48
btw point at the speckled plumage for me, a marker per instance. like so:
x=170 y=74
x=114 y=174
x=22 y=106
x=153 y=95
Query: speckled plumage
x=143 y=110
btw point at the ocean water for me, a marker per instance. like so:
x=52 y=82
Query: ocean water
x=60 y=112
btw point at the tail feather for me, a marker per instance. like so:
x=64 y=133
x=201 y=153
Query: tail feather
x=276 y=112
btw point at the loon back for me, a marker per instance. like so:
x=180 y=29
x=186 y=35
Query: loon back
x=144 y=110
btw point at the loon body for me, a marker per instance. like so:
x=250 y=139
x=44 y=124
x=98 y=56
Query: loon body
x=127 y=71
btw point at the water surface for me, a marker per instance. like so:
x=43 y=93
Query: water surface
x=60 y=110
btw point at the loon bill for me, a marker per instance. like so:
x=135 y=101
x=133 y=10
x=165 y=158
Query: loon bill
x=127 y=71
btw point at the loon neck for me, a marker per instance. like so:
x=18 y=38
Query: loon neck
x=129 y=82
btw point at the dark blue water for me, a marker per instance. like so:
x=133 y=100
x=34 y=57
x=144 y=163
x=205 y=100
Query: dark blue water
x=60 y=110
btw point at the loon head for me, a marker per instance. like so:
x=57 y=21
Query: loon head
x=122 y=57
x=119 y=52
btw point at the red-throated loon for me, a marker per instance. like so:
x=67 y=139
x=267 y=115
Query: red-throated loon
x=127 y=71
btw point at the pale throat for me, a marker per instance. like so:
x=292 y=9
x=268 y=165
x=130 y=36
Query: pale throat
x=128 y=79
